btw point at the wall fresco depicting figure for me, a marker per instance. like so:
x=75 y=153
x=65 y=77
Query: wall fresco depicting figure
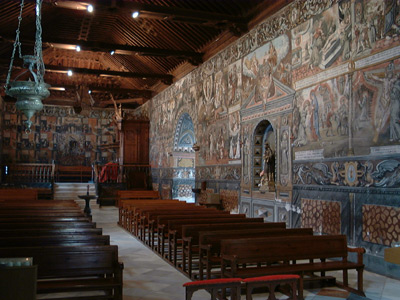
x=235 y=84
x=321 y=42
x=375 y=94
x=375 y=27
x=262 y=68
x=320 y=117
x=234 y=132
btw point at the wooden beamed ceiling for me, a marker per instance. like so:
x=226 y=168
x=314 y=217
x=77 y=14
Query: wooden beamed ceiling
x=132 y=59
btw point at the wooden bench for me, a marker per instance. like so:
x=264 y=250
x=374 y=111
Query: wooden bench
x=147 y=218
x=194 y=213
x=137 y=194
x=139 y=218
x=73 y=173
x=55 y=240
x=191 y=234
x=40 y=219
x=238 y=254
x=45 y=225
x=127 y=208
x=49 y=231
x=74 y=269
x=175 y=229
x=18 y=194
x=214 y=287
x=210 y=242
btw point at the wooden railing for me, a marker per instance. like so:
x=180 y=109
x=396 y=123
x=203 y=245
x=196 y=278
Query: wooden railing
x=28 y=173
x=135 y=176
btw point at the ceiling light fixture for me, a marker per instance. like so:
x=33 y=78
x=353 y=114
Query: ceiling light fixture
x=89 y=91
x=29 y=93
x=135 y=14
x=78 y=48
x=70 y=73
x=57 y=88
x=90 y=8
x=112 y=52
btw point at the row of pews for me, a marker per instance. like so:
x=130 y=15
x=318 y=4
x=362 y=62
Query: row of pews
x=71 y=253
x=206 y=243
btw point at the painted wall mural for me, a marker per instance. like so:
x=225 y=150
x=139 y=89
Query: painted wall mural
x=60 y=135
x=326 y=76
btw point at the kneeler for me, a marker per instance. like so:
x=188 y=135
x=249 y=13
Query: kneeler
x=213 y=286
x=271 y=282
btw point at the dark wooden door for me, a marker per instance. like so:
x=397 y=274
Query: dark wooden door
x=136 y=142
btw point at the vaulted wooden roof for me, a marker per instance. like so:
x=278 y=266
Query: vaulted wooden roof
x=131 y=58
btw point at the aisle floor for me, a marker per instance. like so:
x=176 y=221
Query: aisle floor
x=148 y=277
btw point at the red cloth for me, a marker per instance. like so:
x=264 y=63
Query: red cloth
x=109 y=171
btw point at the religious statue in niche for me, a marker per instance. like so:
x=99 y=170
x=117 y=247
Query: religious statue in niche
x=267 y=182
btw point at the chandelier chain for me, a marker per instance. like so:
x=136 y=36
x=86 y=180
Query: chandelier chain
x=38 y=43
x=17 y=43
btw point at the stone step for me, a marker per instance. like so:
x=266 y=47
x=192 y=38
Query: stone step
x=65 y=191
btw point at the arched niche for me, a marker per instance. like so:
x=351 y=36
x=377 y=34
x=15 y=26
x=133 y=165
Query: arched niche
x=263 y=134
x=184 y=159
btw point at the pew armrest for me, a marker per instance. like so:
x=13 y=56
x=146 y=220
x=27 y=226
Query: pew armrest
x=360 y=252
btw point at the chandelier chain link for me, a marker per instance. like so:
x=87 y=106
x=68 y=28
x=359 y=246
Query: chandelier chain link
x=17 y=43
x=38 y=43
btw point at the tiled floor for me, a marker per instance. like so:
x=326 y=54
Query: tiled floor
x=147 y=276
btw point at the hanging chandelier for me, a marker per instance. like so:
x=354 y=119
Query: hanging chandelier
x=29 y=93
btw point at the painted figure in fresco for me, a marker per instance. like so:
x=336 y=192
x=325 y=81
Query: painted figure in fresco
x=315 y=116
x=318 y=43
x=394 y=125
x=328 y=121
x=382 y=115
x=285 y=153
x=363 y=105
x=342 y=117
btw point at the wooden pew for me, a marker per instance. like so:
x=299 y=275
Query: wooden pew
x=191 y=233
x=238 y=254
x=175 y=229
x=55 y=240
x=147 y=217
x=74 y=173
x=137 y=194
x=210 y=242
x=44 y=219
x=140 y=212
x=127 y=208
x=195 y=212
x=18 y=194
x=76 y=269
x=132 y=216
x=49 y=231
x=45 y=225
x=39 y=213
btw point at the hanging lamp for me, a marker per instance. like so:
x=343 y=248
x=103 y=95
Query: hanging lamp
x=29 y=94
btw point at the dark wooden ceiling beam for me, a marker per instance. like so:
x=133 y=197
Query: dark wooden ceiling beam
x=194 y=58
x=165 y=78
x=174 y=14
x=147 y=94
